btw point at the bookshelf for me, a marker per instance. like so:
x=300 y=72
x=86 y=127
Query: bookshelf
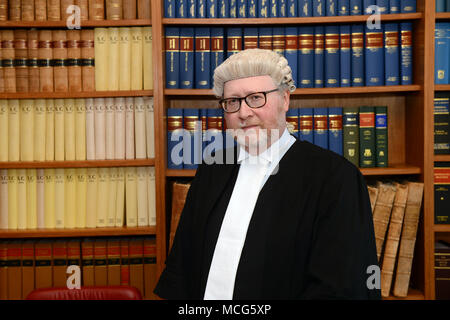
x=84 y=24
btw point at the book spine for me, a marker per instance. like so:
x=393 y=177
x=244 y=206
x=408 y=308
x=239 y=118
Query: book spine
x=13 y=130
x=335 y=129
x=88 y=60
x=273 y=8
x=114 y=10
x=53 y=10
x=3 y=199
x=15 y=10
x=113 y=261
x=4 y=130
x=90 y=129
x=103 y=196
x=218 y=9
x=343 y=7
x=306 y=57
x=100 y=263
x=129 y=129
x=136 y=263
x=112 y=198
x=305 y=8
x=367 y=137
x=49 y=198
x=147 y=58
x=113 y=59
x=101 y=55
x=191 y=9
x=69 y=129
x=119 y=129
x=250 y=38
x=91 y=197
x=331 y=8
x=292 y=119
x=124 y=262
x=367 y=6
x=319 y=45
x=120 y=198
x=40 y=198
x=124 y=59
x=26 y=129
x=12 y=199
x=351 y=134
x=14 y=264
x=172 y=38
x=278 y=39
x=139 y=128
x=374 y=57
x=234 y=41
x=332 y=72
x=282 y=8
x=137 y=60
x=74 y=60
x=190 y=120
x=20 y=60
x=28 y=278
x=441 y=192
x=100 y=128
x=441 y=271
x=150 y=275
x=8 y=56
x=201 y=9
x=169 y=8
x=242 y=10
x=60 y=181
x=80 y=129
x=3 y=10
x=70 y=195
x=357 y=55
x=217 y=49
x=381 y=138
x=64 y=5
x=49 y=130
x=321 y=127
x=318 y=9
x=59 y=129
x=441 y=53
x=84 y=9
x=21 y=195
x=306 y=123
x=81 y=189
x=441 y=126
x=202 y=58
x=174 y=133
x=291 y=8
x=263 y=9
x=383 y=6
x=408 y=6
x=142 y=193
x=265 y=38
x=440 y=5
x=345 y=56
x=181 y=9
x=131 y=197
x=97 y=10
x=406 y=65
x=60 y=72
x=356 y=7
x=110 y=110
x=291 y=52
x=394 y=6
x=391 y=54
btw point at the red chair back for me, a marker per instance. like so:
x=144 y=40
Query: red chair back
x=87 y=293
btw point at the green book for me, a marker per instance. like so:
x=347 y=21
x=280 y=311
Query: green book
x=367 y=137
x=381 y=138
x=350 y=119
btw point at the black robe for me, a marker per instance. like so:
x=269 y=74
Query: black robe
x=310 y=236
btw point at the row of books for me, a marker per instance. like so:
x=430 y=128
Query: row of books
x=442 y=5
x=396 y=211
x=319 y=56
x=77 y=129
x=442 y=53
x=77 y=198
x=64 y=10
x=282 y=8
x=442 y=269
x=441 y=126
x=442 y=192
x=26 y=265
x=360 y=134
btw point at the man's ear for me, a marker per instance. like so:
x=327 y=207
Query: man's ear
x=286 y=99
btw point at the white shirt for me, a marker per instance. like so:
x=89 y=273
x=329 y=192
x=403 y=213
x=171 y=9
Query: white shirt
x=253 y=174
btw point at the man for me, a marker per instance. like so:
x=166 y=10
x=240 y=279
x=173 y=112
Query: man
x=286 y=220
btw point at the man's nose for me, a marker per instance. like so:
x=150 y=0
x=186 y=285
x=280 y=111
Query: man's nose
x=245 y=111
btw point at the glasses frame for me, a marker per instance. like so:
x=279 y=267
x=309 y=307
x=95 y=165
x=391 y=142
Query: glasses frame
x=221 y=101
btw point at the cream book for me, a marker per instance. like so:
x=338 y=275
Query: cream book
x=21 y=195
x=40 y=198
x=91 y=198
x=112 y=198
x=124 y=59
x=26 y=129
x=100 y=129
x=102 y=196
x=142 y=194
x=14 y=130
x=136 y=62
x=90 y=129
x=151 y=189
x=59 y=129
x=110 y=108
x=60 y=197
x=69 y=129
x=49 y=198
x=147 y=57
x=129 y=128
x=3 y=130
x=81 y=191
x=101 y=46
x=139 y=128
x=149 y=127
x=3 y=199
x=120 y=197
x=113 y=57
x=31 y=202
x=119 y=132
x=80 y=130
x=71 y=195
x=12 y=199
x=40 y=115
x=50 y=130
x=131 y=196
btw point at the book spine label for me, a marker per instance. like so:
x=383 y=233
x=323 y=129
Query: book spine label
x=305 y=8
x=202 y=58
x=441 y=193
x=374 y=57
x=292 y=51
x=321 y=127
x=406 y=58
x=273 y=8
x=219 y=8
x=441 y=126
x=181 y=9
x=391 y=54
x=408 y=6
x=331 y=8
x=345 y=56
x=441 y=53
x=355 y=7
x=335 y=129
x=332 y=56
x=343 y=7
x=351 y=135
x=263 y=9
x=357 y=55
x=381 y=131
x=306 y=56
x=319 y=45
x=191 y=9
x=172 y=57
x=242 y=10
x=233 y=9
x=291 y=8
x=169 y=8
x=318 y=9
x=367 y=137
x=394 y=6
x=201 y=9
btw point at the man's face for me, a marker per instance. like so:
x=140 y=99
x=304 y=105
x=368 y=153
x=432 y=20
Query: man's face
x=250 y=121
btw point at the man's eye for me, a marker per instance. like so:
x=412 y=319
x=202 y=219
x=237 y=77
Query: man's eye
x=232 y=101
x=256 y=97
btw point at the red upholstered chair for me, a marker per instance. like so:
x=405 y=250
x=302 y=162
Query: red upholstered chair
x=87 y=293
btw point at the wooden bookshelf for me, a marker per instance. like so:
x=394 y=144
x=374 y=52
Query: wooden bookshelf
x=441 y=157
x=77 y=164
x=84 y=24
x=74 y=95
x=441 y=228
x=442 y=87
x=442 y=15
x=413 y=294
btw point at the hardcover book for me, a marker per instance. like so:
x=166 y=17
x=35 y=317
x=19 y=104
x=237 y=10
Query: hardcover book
x=442 y=193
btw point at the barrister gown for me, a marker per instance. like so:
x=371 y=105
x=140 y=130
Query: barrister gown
x=310 y=236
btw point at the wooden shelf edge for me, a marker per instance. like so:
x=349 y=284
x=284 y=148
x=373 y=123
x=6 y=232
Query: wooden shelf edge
x=442 y=15
x=82 y=232
x=77 y=164
x=88 y=23
x=66 y=95
x=442 y=87
x=441 y=157
x=413 y=294
x=441 y=227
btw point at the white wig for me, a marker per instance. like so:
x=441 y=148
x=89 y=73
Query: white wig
x=253 y=63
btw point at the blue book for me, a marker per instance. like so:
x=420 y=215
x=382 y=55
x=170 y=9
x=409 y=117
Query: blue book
x=447 y=6
x=233 y=9
x=174 y=138
x=242 y=9
x=292 y=119
x=343 y=7
x=278 y=40
x=305 y=8
x=223 y=8
x=374 y=57
x=291 y=51
x=172 y=57
x=306 y=56
x=306 y=124
x=273 y=8
x=318 y=8
x=204 y=120
x=357 y=55
x=441 y=53
x=406 y=57
x=282 y=8
x=214 y=138
x=335 y=139
x=252 y=8
x=291 y=8
x=319 y=45
x=217 y=49
x=263 y=9
x=332 y=61
x=383 y=6
x=191 y=9
x=321 y=127
x=169 y=8
x=391 y=54
x=187 y=58
x=356 y=7
x=265 y=37
x=366 y=6
x=331 y=8
x=234 y=41
x=250 y=37
x=440 y=5
x=345 y=56
x=201 y=9
x=202 y=58
x=190 y=137
x=408 y=6
x=181 y=9
x=394 y=6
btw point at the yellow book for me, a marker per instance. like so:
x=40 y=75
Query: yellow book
x=80 y=221
x=110 y=109
x=124 y=59
x=3 y=130
x=136 y=61
x=101 y=58
x=147 y=57
x=129 y=128
x=91 y=198
x=14 y=130
x=113 y=59
x=31 y=199
x=151 y=189
x=80 y=129
x=120 y=198
x=12 y=199
x=100 y=129
x=60 y=195
x=131 y=196
x=149 y=126
x=102 y=196
x=69 y=129
x=70 y=201
x=39 y=129
x=26 y=129
x=50 y=130
x=21 y=199
x=40 y=198
x=3 y=199
x=49 y=198
x=140 y=142
x=112 y=198
x=142 y=201
x=59 y=129
x=90 y=129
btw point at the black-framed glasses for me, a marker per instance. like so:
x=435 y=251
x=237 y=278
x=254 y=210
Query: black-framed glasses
x=253 y=100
